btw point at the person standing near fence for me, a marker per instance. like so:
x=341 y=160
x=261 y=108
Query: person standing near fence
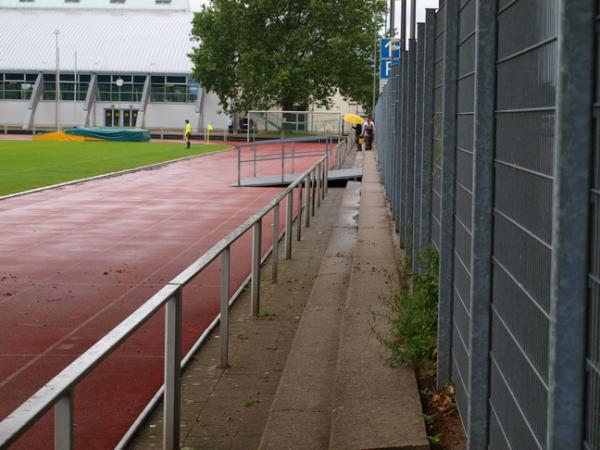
x=368 y=131
x=358 y=134
x=187 y=134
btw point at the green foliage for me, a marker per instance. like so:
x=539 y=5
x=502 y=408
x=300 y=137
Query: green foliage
x=250 y=402
x=413 y=315
x=264 y=53
x=28 y=165
x=435 y=439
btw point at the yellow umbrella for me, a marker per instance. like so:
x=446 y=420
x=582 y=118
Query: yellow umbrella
x=354 y=118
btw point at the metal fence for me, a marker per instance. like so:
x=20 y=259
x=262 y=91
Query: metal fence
x=490 y=152
x=308 y=188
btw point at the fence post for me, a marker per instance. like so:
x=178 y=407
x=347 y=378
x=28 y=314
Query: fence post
x=275 y=254
x=410 y=147
x=255 y=292
x=289 y=210
x=403 y=145
x=172 y=395
x=224 y=320
x=427 y=135
x=391 y=127
x=447 y=213
x=63 y=422
x=569 y=268
x=418 y=165
x=482 y=222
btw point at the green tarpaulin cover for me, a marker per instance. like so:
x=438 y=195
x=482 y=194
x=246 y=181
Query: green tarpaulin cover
x=112 y=134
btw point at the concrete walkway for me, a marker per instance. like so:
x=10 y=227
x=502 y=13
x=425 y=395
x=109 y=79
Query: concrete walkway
x=228 y=409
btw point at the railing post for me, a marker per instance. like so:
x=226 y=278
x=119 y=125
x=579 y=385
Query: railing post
x=307 y=182
x=326 y=174
x=318 y=172
x=289 y=208
x=299 y=227
x=282 y=161
x=63 y=422
x=323 y=175
x=239 y=155
x=275 y=255
x=172 y=395
x=256 y=240
x=313 y=193
x=224 y=321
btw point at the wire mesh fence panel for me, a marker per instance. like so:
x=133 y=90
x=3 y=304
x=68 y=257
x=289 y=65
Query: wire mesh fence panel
x=286 y=124
x=463 y=199
x=525 y=109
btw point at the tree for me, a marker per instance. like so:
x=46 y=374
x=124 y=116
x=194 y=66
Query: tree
x=290 y=53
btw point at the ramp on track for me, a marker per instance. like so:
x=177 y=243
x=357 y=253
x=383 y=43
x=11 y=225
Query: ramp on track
x=335 y=176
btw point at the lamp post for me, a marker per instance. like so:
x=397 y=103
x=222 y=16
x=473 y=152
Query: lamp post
x=57 y=82
x=119 y=83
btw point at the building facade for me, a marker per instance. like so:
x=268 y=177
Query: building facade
x=119 y=63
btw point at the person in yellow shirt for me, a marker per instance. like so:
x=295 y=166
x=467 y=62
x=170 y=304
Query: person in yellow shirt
x=187 y=134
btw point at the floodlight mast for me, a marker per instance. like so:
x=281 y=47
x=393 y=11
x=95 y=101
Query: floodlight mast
x=57 y=83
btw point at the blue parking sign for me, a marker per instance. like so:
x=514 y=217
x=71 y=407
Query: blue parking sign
x=389 y=48
x=385 y=68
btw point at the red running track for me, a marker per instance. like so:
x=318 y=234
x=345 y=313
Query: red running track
x=75 y=261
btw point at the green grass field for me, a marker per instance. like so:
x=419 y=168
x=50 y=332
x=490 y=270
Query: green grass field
x=26 y=165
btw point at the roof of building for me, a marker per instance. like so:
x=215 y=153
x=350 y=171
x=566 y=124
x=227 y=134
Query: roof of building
x=105 y=40
x=178 y=5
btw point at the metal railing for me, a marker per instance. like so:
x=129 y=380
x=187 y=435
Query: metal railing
x=286 y=149
x=309 y=187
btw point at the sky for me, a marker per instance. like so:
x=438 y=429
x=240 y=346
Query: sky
x=421 y=5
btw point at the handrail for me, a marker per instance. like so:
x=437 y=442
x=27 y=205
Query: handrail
x=58 y=392
x=316 y=138
x=281 y=156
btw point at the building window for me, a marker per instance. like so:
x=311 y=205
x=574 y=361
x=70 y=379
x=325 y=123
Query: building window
x=163 y=2
x=71 y=1
x=16 y=86
x=25 y=1
x=129 y=89
x=173 y=89
x=69 y=86
x=117 y=1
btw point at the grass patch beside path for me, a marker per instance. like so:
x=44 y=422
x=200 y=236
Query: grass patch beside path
x=26 y=165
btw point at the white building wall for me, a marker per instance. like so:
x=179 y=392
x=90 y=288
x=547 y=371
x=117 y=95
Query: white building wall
x=168 y=116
